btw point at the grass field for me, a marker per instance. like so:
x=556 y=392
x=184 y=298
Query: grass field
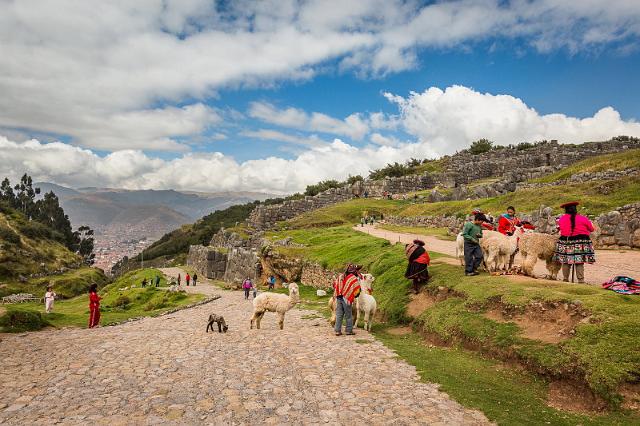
x=118 y=304
x=440 y=233
x=611 y=332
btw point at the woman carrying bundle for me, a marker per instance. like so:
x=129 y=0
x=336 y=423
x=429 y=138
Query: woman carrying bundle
x=574 y=248
x=418 y=267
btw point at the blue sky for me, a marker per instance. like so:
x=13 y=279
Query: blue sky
x=278 y=94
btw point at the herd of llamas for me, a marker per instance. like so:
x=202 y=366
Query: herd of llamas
x=499 y=250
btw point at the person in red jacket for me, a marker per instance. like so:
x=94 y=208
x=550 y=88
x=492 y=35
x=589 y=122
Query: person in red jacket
x=94 y=306
x=508 y=222
x=345 y=289
x=187 y=278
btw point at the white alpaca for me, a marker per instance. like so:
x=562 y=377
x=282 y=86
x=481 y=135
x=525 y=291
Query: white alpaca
x=534 y=246
x=274 y=302
x=366 y=303
x=499 y=248
x=460 y=248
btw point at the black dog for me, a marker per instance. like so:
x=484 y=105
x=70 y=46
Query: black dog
x=222 y=325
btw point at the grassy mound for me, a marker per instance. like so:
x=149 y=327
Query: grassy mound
x=609 y=334
x=67 y=285
x=120 y=301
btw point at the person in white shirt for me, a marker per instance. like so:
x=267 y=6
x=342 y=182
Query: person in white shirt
x=49 y=297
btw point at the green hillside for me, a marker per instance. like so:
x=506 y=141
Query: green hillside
x=28 y=247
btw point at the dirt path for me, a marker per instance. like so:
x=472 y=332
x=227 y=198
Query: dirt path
x=609 y=263
x=168 y=370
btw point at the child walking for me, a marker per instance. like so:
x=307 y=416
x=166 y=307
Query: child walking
x=49 y=297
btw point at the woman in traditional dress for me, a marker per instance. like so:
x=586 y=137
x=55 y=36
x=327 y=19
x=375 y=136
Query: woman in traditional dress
x=574 y=248
x=508 y=221
x=94 y=306
x=417 y=269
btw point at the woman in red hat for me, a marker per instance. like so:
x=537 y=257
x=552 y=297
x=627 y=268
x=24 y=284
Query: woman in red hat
x=574 y=246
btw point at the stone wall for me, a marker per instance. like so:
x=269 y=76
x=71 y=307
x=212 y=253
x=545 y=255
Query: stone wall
x=208 y=261
x=603 y=176
x=452 y=223
x=620 y=228
x=317 y=276
x=461 y=172
x=242 y=263
x=231 y=265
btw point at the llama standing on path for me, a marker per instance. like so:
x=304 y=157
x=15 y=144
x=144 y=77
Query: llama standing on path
x=273 y=302
x=536 y=246
x=365 y=302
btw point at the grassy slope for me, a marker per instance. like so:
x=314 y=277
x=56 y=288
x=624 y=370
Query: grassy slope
x=65 y=285
x=618 y=161
x=460 y=318
x=25 y=257
x=440 y=233
x=142 y=302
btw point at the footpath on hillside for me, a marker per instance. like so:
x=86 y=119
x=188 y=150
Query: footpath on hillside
x=609 y=263
x=168 y=370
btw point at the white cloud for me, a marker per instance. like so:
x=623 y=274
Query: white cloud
x=79 y=69
x=277 y=136
x=379 y=139
x=354 y=126
x=449 y=120
x=66 y=165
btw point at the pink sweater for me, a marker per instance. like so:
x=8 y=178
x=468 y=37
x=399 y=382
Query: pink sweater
x=583 y=226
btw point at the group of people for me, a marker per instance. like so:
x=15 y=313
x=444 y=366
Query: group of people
x=188 y=279
x=152 y=281
x=573 y=249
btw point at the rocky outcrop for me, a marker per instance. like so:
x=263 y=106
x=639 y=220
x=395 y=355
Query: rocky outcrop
x=208 y=261
x=231 y=265
x=620 y=228
x=317 y=276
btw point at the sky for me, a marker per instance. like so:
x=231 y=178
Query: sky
x=272 y=96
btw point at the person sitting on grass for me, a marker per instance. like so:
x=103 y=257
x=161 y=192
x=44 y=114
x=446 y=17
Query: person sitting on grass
x=472 y=232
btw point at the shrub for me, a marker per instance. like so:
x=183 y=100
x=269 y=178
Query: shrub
x=9 y=235
x=38 y=231
x=321 y=187
x=122 y=302
x=391 y=170
x=15 y=321
x=481 y=146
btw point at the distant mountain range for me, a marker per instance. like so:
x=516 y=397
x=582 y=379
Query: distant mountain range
x=149 y=212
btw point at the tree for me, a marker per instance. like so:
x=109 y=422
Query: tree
x=321 y=187
x=84 y=244
x=392 y=170
x=6 y=193
x=49 y=212
x=353 y=179
x=481 y=146
x=25 y=195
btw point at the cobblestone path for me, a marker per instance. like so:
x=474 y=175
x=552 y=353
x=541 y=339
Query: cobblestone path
x=168 y=370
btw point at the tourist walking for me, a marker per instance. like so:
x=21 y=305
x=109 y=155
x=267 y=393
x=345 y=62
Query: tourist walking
x=272 y=282
x=418 y=267
x=187 y=279
x=472 y=232
x=345 y=289
x=49 y=297
x=508 y=221
x=574 y=248
x=144 y=282
x=246 y=286
x=94 y=306
x=179 y=278
x=157 y=281
x=194 y=279
x=254 y=287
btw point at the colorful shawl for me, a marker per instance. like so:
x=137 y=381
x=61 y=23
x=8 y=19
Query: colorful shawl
x=623 y=285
